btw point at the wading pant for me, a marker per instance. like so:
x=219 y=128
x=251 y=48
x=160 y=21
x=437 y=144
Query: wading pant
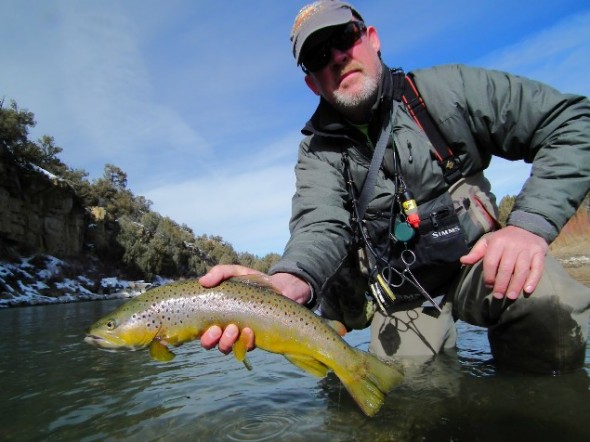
x=545 y=332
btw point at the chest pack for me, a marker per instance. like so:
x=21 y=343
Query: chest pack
x=416 y=252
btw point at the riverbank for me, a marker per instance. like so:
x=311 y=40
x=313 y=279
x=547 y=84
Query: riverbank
x=579 y=268
x=42 y=280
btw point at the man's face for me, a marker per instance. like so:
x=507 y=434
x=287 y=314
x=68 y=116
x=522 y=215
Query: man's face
x=350 y=80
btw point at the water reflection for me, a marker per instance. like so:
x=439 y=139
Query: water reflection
x=56 y=387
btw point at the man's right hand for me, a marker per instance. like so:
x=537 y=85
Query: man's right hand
x=289 y=285
x=225 y=339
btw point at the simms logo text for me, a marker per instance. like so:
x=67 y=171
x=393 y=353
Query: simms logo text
x=446 y=232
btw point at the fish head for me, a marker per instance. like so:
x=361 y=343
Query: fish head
x=116 y=333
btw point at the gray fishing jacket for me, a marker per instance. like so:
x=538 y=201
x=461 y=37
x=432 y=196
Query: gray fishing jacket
x=481 y=113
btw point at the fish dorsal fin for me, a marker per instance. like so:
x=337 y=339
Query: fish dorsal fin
x=256 y=280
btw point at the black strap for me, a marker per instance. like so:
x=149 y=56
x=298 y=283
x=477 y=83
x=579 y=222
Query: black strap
x=369 y=184
x=450 y=164
x=397 y=76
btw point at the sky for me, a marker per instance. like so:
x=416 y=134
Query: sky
x=201 y=103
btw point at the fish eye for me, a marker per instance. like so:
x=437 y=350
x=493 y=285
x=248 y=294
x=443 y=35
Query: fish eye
x=111 y=324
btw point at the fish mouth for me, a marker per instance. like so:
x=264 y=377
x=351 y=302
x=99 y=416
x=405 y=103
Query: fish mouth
x=106 y=344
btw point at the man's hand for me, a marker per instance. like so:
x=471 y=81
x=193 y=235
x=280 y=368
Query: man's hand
x=292 y=287
x=289 y=285
x=513 y=261
x=225 y=338
x=220 y=273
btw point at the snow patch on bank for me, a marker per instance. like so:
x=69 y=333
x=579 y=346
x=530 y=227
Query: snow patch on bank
x=42 y=280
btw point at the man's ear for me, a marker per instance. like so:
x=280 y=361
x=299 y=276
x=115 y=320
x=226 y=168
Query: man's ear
x=310 y=82
x=373 y=38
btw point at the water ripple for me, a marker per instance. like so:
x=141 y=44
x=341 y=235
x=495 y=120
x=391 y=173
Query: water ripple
x=259 y=427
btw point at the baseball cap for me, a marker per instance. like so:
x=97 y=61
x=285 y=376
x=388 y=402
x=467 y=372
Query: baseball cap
x=319 y=15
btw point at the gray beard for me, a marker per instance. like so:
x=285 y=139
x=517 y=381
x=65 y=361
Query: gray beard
x=350 y=104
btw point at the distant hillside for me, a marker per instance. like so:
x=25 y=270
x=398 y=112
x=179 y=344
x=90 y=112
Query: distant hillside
x=574 y=238
x=52 y=210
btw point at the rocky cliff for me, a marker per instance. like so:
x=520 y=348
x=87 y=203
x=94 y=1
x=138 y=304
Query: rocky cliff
x=38 y=211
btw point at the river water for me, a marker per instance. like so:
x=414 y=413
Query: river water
x=55 y=387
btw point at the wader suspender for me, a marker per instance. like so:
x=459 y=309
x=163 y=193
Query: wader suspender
x=449 y=163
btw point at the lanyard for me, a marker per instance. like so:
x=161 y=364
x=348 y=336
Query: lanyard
x=378 y=154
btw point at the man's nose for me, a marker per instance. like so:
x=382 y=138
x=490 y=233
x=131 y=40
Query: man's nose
x=338 y=56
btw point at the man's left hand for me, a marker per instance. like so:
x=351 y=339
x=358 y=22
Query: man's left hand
x=513 y=260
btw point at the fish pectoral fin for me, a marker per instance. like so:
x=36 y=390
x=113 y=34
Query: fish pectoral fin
x=308 y=364
x=160 y=352
x=240 y=349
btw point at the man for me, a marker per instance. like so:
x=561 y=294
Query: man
x=418 y=275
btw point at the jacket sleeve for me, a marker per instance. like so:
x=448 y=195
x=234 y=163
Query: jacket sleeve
x=484 y=112
x=320 y=222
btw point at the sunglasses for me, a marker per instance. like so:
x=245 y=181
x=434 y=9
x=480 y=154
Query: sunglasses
x=343 y=39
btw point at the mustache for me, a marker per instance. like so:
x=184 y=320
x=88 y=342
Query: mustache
x=348 y=68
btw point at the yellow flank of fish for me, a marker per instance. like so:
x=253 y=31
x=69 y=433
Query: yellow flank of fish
x=180 y=312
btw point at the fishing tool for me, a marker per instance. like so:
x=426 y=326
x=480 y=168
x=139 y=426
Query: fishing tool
x=384 y=279
x=410 y=208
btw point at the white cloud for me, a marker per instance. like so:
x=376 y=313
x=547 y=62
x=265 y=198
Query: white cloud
x=112 y=98
x=250 y=209
x=95 y=91
x=559 y=55
x=246 y=200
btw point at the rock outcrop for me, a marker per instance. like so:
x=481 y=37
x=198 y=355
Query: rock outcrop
x=38 y=211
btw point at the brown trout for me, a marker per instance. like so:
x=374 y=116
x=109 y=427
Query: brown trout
x=180 y=312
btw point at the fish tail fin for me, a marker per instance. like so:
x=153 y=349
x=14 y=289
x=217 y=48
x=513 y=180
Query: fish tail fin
x=370 y=381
